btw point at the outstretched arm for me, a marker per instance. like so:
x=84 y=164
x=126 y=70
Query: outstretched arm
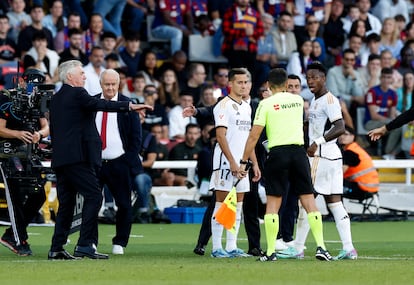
x=140 y=108
x=399 y=121
x=377 y=133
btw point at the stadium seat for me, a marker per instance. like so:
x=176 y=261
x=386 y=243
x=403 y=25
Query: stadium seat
x=201 y=50
x=360 y=121
x=9 y=73
x=150 y=37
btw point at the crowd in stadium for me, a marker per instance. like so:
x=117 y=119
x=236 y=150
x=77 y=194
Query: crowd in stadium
x=366 y=46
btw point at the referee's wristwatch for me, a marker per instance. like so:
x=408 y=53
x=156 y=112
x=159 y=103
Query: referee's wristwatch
x=244 y=161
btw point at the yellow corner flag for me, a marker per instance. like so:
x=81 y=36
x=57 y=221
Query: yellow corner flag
x=226 y=214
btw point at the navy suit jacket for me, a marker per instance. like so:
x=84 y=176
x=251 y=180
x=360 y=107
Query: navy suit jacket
x=131 y=135
x=73 y=131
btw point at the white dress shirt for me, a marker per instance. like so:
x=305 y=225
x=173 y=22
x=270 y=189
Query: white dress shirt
x=114 y=147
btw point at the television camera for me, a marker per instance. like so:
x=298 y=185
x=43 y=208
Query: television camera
x=28 y=102
x=31 y=99
x=21 y=170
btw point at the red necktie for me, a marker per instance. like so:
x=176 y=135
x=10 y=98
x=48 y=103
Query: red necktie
x=103 y=129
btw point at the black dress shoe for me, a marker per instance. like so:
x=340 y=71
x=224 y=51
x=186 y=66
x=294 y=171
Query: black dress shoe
x=90 y=252
x=199 y=249
x=256 y=252
x=60 y=255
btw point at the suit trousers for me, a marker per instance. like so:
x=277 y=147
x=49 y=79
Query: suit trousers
x=116 y=175
x=251 y=215
x=72 y=179
x=288 y=214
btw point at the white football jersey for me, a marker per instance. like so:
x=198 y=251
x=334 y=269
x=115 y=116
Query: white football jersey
x=322 y=112
x=237 y=119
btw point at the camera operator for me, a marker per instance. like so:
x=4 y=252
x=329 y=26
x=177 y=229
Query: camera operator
x=15 y=143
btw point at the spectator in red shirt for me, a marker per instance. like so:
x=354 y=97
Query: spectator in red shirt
x=173 y=20
x=242 y=28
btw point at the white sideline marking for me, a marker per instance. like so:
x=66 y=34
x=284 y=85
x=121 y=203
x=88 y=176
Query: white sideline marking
x=333 y=241
x=131 y=236
x=385 y=258
x=136 y=236
x=26 y=260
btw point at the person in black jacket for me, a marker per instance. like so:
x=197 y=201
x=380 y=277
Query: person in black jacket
x=399 y=121
x=77 y=150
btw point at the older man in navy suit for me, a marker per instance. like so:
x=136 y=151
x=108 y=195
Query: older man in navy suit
x=77 y=150
x=121 y=142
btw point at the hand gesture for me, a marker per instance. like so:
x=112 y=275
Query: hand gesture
x=189 y=111
x=349 y=72
x=36 y=137
x=377 y=133
x=312 y=149
x=249 y=30
x=140 y=108
x=257 y=173
x=234 y=168
x=25 y=136
x=242 y=172
x=23 y=25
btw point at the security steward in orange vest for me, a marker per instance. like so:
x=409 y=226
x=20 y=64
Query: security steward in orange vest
x=360 y=176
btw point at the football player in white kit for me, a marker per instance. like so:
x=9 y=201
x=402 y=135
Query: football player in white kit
x=232 y=117
x=325 y=126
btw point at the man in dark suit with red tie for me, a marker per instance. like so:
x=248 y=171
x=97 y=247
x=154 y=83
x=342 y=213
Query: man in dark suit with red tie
x=77 y=150
x=121 y=142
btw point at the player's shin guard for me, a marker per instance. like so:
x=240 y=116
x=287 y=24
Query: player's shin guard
x=343 y=224
x=315 y=223
x=231 y=240
x=302 y=229
x=271 y=222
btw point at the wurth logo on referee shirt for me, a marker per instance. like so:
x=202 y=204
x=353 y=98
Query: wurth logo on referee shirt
x=287 y=106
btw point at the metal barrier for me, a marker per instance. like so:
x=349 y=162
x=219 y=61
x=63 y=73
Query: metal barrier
x=408 y=164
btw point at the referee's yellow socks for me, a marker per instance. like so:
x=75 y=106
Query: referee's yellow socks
x=271 y=222
x=315 y=224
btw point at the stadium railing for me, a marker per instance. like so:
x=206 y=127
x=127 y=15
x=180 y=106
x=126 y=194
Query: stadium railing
x=407 y=164
x=167 y=196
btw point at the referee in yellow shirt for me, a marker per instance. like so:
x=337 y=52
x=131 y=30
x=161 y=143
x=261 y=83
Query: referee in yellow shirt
x=287 y=166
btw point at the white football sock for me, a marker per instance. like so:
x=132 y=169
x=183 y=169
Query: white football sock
x=343 y=224
x=231 y=241
x=302 y=229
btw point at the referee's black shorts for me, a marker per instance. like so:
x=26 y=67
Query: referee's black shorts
x=287 y=168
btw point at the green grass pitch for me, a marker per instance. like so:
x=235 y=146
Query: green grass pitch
x=162 y=254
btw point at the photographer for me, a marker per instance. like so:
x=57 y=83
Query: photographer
x=16 y=142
